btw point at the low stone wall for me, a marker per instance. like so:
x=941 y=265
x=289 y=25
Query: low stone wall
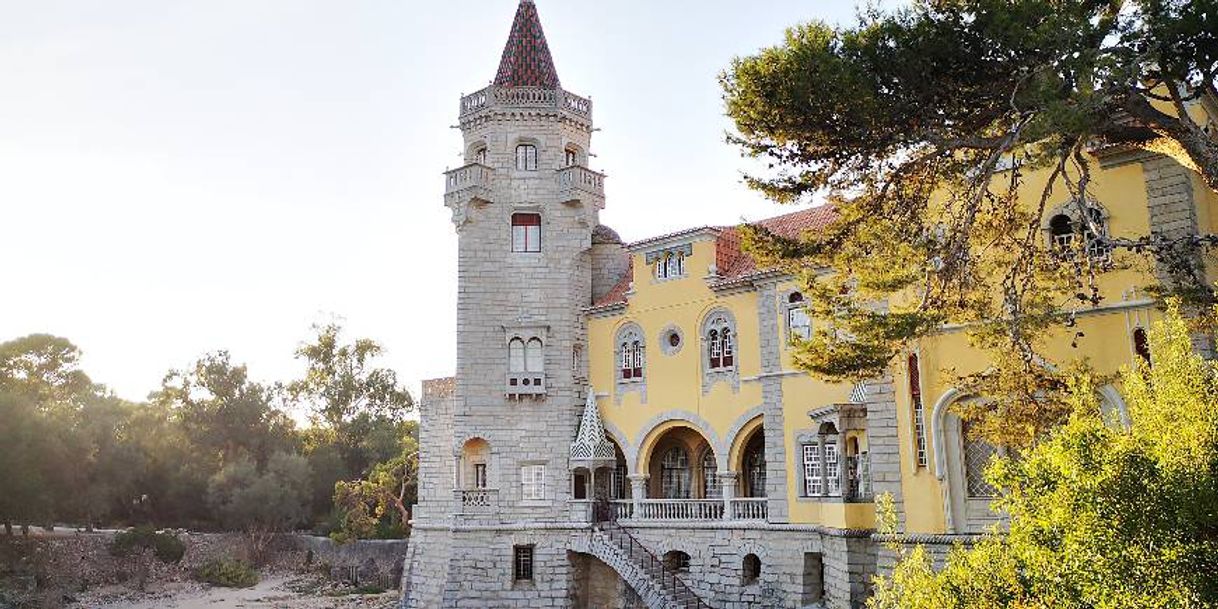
x=48 y=570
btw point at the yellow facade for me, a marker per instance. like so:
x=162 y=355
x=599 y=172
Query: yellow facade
x=1129 y=189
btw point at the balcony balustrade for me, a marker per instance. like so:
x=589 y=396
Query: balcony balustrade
x=749 y=508
x=472 y=181
x=476 y=501
x=526 y=97
x=576 y=183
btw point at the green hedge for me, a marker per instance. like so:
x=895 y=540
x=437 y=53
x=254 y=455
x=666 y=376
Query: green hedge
x=227 y=573
x=167 y=548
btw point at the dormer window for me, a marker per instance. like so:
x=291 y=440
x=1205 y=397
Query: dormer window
x=526 y=157
x=526 y=233
x=669 y=263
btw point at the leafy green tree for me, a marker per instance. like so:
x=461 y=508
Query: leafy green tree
x=341 y=383
x=262 y=502
x=381 y=501
x=930 y=128
x=224 y=412
x=1100 y=516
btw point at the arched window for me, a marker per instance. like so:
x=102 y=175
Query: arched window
x=1063 y=229
x=534 y=355
x=677 y=561
x=571 y=157
x=754 y=466
x=661 y=268
x=915 y=400
x=630 y=353
x=526 y=232
x=680 y=263
x=751 y=569
x=716 y=349
x=516 y=361
x=674 y=474
x=1141 y=345
x=977 y=456
x=710 y=475
x=798 y=323
x=728 y=347
x=526 y=157
x=480 y=155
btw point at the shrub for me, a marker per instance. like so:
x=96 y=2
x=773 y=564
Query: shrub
x=167 y=547
x=227 y=573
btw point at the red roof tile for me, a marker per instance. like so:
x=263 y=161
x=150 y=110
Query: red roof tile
x=526 y=59
x=730 y=259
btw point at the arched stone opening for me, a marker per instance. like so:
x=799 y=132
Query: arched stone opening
x=677 y=463
x=752 y=479
x=474 y=467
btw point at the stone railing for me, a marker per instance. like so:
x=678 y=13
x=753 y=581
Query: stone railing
x=623 y=509
x=476 y=500
x=526 y=97
x=474 y=175
x=680 y=509
x=749 y=508
x=575 y=179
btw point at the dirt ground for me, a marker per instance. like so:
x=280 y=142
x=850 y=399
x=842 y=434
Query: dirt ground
x=273 y=592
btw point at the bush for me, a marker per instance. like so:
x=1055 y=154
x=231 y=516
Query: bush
x=227 y=573
x=167 y=548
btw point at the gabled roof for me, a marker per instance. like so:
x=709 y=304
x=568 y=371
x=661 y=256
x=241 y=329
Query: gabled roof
x=731 y=262
x=526 y=59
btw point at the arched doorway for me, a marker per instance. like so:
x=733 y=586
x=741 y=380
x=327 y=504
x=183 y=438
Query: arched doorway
x=753 y=466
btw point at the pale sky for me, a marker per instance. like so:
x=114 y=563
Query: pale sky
x=183 y=176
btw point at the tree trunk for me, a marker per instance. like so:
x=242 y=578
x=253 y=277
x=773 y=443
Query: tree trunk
x=25 y=530
x=1183 y=141
x=8 y=528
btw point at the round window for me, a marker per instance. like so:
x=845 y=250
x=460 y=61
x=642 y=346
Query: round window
x=671 y=340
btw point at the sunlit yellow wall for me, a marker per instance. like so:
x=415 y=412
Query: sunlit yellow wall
x=675 y=382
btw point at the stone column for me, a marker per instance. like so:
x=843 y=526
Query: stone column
x=638 y=492
x=727 y=488
x=842 y=464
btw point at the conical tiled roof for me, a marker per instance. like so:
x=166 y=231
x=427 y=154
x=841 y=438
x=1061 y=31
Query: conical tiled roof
x=526 y=58
x=591 y=443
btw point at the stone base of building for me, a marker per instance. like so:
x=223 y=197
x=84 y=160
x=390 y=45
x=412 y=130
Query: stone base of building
x=800 y=566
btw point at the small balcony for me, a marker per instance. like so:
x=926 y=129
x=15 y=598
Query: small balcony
x=469 y=183
x=580 y=184
x=478 y=502
x=525 y=384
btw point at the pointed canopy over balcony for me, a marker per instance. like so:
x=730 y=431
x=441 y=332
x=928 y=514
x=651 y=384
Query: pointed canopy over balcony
x=592 y=448
x=526 y=58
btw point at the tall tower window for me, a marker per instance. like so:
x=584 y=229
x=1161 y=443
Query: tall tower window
x=526 y=232
x=571 y=158
x=516 y=357
x=534 y=355
x=917 y=410
x=526 y=157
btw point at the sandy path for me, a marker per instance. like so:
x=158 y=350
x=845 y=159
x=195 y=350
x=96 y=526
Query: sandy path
x=270 y=593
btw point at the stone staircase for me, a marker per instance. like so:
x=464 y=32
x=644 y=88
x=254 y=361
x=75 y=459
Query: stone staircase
x=657 y=586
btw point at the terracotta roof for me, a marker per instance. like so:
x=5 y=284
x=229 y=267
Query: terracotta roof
x=526 y=59
x=731 y=260
x=732 y=263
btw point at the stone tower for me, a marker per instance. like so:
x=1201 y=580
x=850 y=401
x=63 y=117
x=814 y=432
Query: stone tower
x=495 y=440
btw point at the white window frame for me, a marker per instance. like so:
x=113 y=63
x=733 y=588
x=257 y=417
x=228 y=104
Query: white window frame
x=526 y=157
x=812 y=471
x=526 y=238
x=833 y=474
x=533 y=482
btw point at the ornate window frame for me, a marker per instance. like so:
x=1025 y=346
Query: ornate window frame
x=629 y=340
x=795 y=302
x=1070 y=210
x=669 y=263
x=712 y=347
